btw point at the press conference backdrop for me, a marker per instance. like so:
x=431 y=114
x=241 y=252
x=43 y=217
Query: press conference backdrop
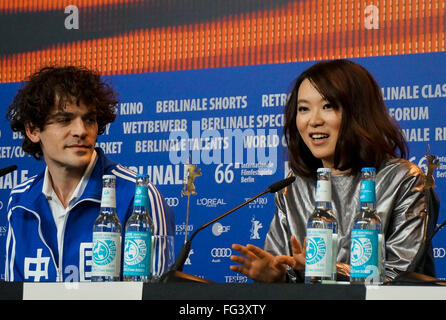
x=205 y=82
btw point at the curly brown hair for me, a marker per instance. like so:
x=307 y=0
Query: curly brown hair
x=54 y=87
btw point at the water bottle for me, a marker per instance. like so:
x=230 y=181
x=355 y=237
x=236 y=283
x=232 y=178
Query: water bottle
x=367 y=245
x=322 y=234
x=138 y=236
x=107 y=236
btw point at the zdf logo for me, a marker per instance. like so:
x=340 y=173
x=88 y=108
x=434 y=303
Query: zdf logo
x=221 y=252
x=218 y=229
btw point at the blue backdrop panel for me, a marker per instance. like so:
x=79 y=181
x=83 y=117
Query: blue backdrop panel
x=229 y=123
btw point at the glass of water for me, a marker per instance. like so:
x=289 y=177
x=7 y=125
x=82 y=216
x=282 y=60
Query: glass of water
x=163 y=255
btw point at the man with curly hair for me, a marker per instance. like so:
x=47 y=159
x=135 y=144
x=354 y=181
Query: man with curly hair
x=60 y=112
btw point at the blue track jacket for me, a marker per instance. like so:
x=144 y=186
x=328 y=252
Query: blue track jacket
x=32 y=253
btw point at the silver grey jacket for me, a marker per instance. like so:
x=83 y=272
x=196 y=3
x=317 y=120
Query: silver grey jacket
x=400 y=204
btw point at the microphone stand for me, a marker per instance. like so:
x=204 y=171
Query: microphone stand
x=177 y=268
x=175 y=273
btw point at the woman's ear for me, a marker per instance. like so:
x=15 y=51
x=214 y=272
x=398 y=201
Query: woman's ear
x=32 y=133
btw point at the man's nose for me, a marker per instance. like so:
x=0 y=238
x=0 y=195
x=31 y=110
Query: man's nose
x=78 y=127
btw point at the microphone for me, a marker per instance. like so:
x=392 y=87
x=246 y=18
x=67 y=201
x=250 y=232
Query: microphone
x=6 y=170
x=184 y=252
x=279 y=185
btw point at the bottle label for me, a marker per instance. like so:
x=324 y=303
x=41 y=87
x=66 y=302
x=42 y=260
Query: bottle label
x=318 y=253
x=367 y=193
x=364 y=253
x=106 y=254
x=137 y=253
x=334 y=253
x=141 y=197
x=323 y=191
x=108 y=199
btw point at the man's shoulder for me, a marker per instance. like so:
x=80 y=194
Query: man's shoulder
x=125 y=178
x=122 y=173
x=27 y=186
x=108 y=166
x=26 y=192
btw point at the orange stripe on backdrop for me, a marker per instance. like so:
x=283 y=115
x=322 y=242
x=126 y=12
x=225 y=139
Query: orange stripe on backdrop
x=442 y=24
x=341 y=31
x=401 y=26
x=224 y=42
x=296 y=32
x=9 y=6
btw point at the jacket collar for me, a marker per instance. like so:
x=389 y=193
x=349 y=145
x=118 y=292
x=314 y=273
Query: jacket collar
x=93 y=190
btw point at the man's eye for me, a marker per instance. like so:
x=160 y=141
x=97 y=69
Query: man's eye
x=90 y=120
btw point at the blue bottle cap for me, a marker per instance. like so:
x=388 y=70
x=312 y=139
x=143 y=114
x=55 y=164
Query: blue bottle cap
x=368 y=169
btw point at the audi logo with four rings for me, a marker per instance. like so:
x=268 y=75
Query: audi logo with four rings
x=172 y=202
x=221 y=252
